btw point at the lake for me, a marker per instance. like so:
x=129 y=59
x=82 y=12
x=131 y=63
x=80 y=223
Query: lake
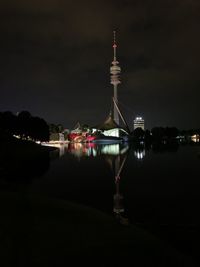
x=156 y=188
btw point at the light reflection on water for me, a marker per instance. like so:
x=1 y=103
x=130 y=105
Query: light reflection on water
x=139 y=153
x=93 y=150
x=115 y=155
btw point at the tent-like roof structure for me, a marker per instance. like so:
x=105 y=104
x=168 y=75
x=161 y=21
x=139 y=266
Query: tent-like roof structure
x=108 y=124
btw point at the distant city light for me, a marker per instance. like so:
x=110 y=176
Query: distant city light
x=195 y=138
x=138 y=123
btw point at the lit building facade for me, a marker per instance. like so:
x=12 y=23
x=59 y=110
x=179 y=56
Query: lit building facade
x=138 y=123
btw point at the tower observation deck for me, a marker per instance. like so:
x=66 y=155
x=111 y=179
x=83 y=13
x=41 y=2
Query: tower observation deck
x=115 y=71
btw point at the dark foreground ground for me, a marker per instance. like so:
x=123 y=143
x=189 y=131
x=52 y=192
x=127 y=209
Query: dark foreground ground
x=21 y=160
x=38 y=231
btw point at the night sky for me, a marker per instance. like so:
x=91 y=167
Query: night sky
x=55 y=57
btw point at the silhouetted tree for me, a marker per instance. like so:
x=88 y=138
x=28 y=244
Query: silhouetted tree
x=24 y=124
x=8 y=123
x=39 y=129
x=147 y=134
x=158 y=133
x=85 y=127
x=171 y=132
x=60 y=128
x=55 y=128
x=138 y=133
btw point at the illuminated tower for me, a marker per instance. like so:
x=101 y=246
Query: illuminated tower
x=115 y=70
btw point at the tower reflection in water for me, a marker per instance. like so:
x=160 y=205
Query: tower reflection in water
x=118 y=205
x=115 y=155
x=139 y=153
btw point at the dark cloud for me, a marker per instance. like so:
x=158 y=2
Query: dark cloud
x=55 y=59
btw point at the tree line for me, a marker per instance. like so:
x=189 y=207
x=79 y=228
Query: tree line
x=161 y=133
x=24 y=126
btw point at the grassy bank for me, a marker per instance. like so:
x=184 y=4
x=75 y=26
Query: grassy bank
x=20 y=159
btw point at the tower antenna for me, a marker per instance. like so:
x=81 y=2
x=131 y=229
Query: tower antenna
x=114 y=45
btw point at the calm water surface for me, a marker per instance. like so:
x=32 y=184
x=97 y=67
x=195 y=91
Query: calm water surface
x=158 y=188
x=148 y=179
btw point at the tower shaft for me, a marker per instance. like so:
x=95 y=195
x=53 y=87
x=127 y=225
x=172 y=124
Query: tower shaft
x=115 y=95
